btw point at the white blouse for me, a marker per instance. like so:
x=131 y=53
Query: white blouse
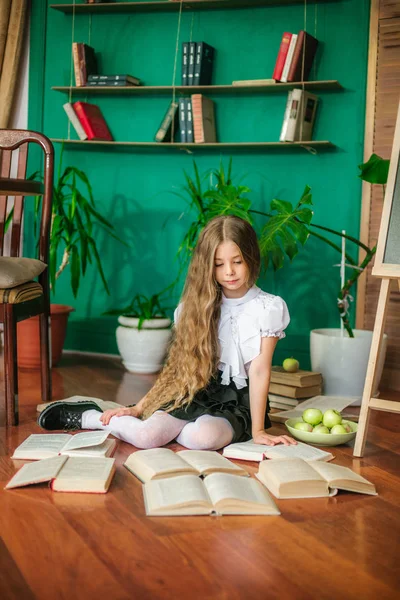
x=243 y=322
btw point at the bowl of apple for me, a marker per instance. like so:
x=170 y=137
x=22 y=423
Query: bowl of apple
x=322 y=429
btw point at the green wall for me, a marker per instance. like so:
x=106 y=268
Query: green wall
x=134 y=189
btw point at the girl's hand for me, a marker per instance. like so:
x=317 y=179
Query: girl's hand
x=129 y=411
x=261 y=437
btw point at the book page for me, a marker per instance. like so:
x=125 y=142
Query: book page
x=332 y=473
x=86 y=469
x=156 y=461
x=37 y=472
x=162 y=494
x=289 y=471
x=104 y=449
x=299 y=450
x=209 y=460
x=86 y=439
x=322 y=402
x=224 y=486
x=42 y=445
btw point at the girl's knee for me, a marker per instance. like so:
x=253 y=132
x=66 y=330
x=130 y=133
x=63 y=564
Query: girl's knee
x=206 y=433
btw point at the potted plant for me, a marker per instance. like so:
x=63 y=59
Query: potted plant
x=144 y=333
x=73 y=245
x=285 y=231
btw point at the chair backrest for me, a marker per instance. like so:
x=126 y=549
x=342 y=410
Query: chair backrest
x=16 y=142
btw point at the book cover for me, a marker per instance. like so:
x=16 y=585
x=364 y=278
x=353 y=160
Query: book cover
x=189 y=121
x=182 y=120
x=110 y=83
x=203 y=119
x=282 y=136
x=92 y=121
x=192 y=55
x=281 y=58
x=294 y=392
x=204 y=61
x=185 y=62
x=289 y=57
x=88 y=62
x=75 y=122
x=169 y=124
x=303 y=57
x=76 y=62
x=300 y=378
x=293 y=116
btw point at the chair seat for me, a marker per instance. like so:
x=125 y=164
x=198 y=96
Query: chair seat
x=21 y=293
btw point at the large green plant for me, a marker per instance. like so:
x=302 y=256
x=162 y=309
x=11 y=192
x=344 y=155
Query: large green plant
x=287 y=228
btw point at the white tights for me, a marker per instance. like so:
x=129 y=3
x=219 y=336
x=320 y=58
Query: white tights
x=205 y=433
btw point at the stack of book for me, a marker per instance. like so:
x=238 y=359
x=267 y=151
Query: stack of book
x=287 y=390
x=299 y=117
x=295 y=57
x=88 y=121
x=197 y=63
x=192 y=120
x=112 y=80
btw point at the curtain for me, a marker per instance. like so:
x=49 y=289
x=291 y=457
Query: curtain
x=13 y=15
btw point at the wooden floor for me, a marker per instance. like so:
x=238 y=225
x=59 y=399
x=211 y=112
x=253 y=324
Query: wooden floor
x=78 y=546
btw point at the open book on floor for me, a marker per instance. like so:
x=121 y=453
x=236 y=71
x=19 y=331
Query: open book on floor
x=66 y=474
x=45 y=445
x=160 y=463
x=296 y=478
x=258 y=452
x=103 y=404
x=218 y=493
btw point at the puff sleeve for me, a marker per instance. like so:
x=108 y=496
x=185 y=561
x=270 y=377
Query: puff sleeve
x=177 y=313
x=275 y=318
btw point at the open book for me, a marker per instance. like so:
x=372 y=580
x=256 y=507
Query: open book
x=159 y=463
x=103 y=404
x=219 y=493
x=257 y=452
x=296 y=478
x=86 y=444
x=67 y=474
x=321 y=402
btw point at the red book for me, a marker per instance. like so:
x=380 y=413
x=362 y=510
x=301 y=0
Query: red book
x=92 y=121
x=280 y=61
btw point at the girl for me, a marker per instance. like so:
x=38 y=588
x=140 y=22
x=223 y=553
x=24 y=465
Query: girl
x=213 y=389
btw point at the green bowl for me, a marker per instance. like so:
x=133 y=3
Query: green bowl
x=321 y=439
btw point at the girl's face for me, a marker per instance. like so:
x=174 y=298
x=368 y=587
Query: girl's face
x=230 y=270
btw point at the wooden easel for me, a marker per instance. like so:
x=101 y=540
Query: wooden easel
x=387 y=266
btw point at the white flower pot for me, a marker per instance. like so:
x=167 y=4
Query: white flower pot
x=343 y=361
x=143 y=351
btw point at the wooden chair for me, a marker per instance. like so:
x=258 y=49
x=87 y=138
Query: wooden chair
x=31 y=298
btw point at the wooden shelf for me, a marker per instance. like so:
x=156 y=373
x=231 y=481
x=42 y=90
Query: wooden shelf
x=20 y=187
x=209 y=146
x=166 y=6
x=144 y=90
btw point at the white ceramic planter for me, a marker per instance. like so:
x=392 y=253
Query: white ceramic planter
x=343 y=361
x=143 y=351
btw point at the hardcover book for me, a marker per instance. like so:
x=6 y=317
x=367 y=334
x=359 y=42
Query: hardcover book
x=169 y=125
x=282 y=54
x=46 y=445
x=126 y=78
x=185 y=63
x=85 y=62
x=294 y=392
x=182 y=119
x=92 y=121
x=217 y=494
x=192 y=56
x=204 y=61
x=75 y=122
x=289 y=58
x=303 y=57
x=300 y=121
x=203 y=119
x=189 y=121
x=300 y=378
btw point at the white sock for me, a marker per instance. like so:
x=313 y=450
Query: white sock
x=206 y=433
x=157 y=430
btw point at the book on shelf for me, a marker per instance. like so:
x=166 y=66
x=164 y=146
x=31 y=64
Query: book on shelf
x=92 y=121
x=128 y=79
x=296 y=478
x=303 y=57
x=203 y=119
x=169 y=125
x=282 y=54
x=161 y=463
x=185 y=63
x=45 y=445
x=182 y=120
x=103 y=404
x=189 y=121
x=85 y=62
x=288 y=59
x=258 y=452
x=254 y=82
x=192 y=58
x=203 y=65
x=217 y=494
x=285 y=123
x=67 y=474
x=75 y=122
x=300 y=118
x=322 y=402
x=300 y=378
x=294 y=392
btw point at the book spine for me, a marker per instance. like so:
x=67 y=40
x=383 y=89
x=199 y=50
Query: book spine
x=189 y=121
x=182 y=119
x=192 y=54
x=203 y=64
x=77 y=71
x=197 y=112
x=114 y=78
x=82 y=62
x=294 y=66
x=69 y=109
x=111 y=82
x=185 y=62
x=289 y=58
x=307 y=117
x=166 y=129
x=80 y=113
x=280 y=61
x=294 y=115
x=282 y=137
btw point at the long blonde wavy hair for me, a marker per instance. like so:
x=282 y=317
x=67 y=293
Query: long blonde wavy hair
x=194 y=351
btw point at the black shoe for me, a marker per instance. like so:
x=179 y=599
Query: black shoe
x=65 y=415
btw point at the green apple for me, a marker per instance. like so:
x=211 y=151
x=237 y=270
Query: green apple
x=347 y=427
x=338 y=429
x=331 y=417
x=312 y=416
x=303 y=426
x=320 y=429
x=291 y=365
